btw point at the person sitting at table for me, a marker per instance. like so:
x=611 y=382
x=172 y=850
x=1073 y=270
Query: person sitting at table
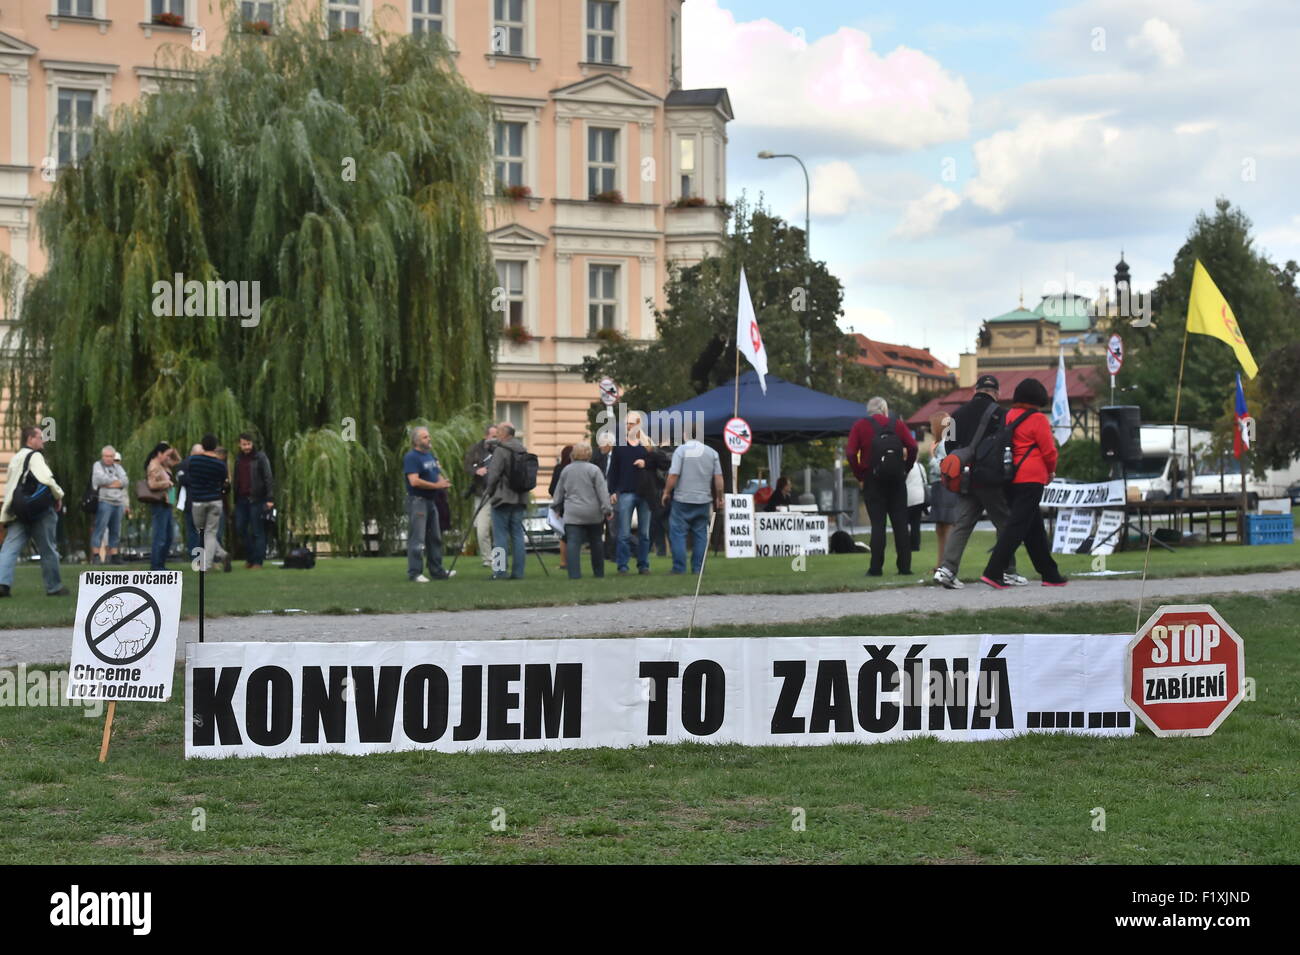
x=782 y=496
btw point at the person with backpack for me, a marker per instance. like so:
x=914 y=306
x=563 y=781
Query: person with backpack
x=424 y=530
x=978 y=437
x=108 y=482
x=32 y=502
x=1033 y=464
x=881 y=451
x=512 y=474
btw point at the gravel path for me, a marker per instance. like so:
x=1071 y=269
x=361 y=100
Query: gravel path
x=634 y=617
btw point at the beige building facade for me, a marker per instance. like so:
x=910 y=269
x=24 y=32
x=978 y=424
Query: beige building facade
x=605 y=171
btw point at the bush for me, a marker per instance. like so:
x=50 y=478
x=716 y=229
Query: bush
x=1080 y=460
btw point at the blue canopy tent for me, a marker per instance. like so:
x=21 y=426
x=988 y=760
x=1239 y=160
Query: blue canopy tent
x=787 y=412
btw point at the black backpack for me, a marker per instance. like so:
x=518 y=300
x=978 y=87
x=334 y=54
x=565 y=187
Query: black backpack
x=992 y=464
x=90 y=499
x=522 y=474
x=31 y=498
x=888 y=456
x=299 y=558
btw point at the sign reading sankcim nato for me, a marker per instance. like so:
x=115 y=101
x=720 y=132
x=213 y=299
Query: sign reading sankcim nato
x=124 y=638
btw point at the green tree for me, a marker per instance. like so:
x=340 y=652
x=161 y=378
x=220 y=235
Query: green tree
x=1252 y=286
x=695 y=348
x=343 y=180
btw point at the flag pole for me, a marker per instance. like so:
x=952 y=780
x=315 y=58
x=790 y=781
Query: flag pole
x=1178 y=393
x=735 y=413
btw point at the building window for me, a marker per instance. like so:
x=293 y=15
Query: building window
x=602 y=297
x=602 y=167
x=686 y=155
x=508 y=27
x=601 y=31
x=160 y=8
x=516 y=413
x=508 y=152
x=343 y=15
x=73 y=123
x=257 y=11
x=76 y=8
x=510 y=275
x=426 y=16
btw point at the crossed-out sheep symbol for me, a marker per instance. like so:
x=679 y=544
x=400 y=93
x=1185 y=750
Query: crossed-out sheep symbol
x=132 y=637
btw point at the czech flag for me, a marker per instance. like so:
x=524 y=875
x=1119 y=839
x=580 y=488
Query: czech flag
x=1240 y=439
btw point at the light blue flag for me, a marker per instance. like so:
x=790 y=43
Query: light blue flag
x=1061 y=426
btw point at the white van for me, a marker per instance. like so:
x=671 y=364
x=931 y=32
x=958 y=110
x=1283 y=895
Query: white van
x=1169 y=456
x=1224 y=477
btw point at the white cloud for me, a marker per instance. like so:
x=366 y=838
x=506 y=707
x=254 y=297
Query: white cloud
x=866 y=320
x=922 y=215
x=1157 y=38
x=836 y=88
x=836 y=188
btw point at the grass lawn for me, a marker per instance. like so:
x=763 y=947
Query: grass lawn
x=1233 y=797
x=379 y=585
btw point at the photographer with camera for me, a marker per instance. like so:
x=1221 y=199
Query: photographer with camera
x=477 y=459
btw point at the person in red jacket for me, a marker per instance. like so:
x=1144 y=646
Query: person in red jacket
x=1033 y=451
x=884 y=496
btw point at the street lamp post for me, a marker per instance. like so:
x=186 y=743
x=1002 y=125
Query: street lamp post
x=807 y=248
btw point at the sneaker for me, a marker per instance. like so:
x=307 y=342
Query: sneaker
x=947 y=579
x=1014 y=580
x=644 y=570
x=1055 y=583
x=420 y=580
x=875 y=573
x=444 y=575
x=61 y=592
x=995 y=584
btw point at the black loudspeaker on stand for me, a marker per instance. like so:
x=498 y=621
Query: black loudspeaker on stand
x=1121 y=443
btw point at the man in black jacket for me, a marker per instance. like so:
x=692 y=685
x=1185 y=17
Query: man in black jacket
x=965 y=421
x=254 y=493
x=477 y=459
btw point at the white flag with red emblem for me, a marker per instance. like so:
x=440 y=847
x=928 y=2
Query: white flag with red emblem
x=748 y=339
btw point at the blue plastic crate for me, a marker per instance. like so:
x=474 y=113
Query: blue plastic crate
x=1270 y=529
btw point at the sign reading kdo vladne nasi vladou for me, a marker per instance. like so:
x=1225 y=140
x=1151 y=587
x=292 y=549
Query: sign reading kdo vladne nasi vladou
x=124 y=638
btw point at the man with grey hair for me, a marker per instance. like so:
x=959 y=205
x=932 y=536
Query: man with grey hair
x=108 y=480
x=881 y=451
x=423 y=478
x=508 y=505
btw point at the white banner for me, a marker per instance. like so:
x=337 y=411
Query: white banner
x=285 y=699
x=1086 y=530
x=1102 y=494
x=124 y=637
x=739 y=535
x=788 y=534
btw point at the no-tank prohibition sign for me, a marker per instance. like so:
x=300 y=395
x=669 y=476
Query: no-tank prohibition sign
x=737 y=435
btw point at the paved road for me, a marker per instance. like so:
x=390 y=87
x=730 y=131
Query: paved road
x=633 y=617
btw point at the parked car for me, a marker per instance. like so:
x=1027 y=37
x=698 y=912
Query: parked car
x=538 y=532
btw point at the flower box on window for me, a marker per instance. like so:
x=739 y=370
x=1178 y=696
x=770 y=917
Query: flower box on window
x=610 y=195
x=516 y=335
x=169 y=19
x=611 y=335
x=347 y=31
x=690 y=202
x=261 y=27
x=516 y=193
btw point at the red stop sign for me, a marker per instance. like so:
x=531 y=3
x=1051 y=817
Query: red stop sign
x=1184 y=671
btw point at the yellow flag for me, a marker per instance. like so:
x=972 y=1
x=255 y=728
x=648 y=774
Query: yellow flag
x=1208 y=313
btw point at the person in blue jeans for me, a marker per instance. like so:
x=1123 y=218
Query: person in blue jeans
x=158 y=471
x=694 y=482
x=627 y=462
x=581 y=496
x=424 y=532
x=508 y=507
x=40 y=530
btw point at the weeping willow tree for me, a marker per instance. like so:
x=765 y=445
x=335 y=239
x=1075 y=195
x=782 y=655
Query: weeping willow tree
x=342 y=180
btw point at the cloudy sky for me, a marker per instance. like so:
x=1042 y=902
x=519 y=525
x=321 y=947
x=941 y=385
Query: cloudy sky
x=958 y=149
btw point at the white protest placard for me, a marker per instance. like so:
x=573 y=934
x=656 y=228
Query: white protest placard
x=1101 y=494
x=740 y=525
x=1106 y=538
x=1078 y=536
x=1060 y=530
x=287 y=699
x=789 y=534
x=124 y=638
